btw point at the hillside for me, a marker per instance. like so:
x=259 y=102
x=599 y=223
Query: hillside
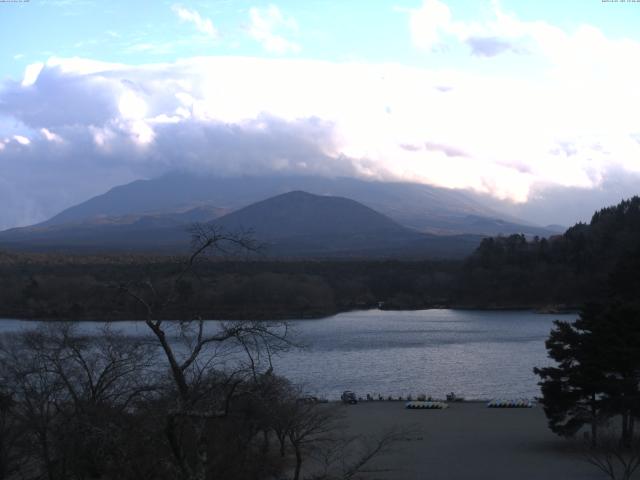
x=589 y=261
x=135 y=232
x=301 y=224
x=300 y=213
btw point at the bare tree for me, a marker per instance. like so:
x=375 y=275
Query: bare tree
x=316 y=434
x=69 y=393
x=104 y=369
x=351 y=457
x=308 y=426
x=37 y=393
x=618 y=460
x=10 y=434
x=192 y=352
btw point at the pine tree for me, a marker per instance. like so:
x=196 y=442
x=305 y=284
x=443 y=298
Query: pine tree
x=572 y=391
x=598 y=370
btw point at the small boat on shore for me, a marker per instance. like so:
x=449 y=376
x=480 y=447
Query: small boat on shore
x=422 y=405
x=517 y=403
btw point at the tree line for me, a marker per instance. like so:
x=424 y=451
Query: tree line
x=83 y=287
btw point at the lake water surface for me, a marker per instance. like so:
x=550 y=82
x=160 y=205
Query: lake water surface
x=476 y=354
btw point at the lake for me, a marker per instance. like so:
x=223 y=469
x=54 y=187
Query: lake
x=476 y=354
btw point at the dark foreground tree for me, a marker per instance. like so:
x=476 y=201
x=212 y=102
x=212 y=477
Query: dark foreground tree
x=70 y=398
x=10 y=435
x=597 y=373
x=617 y=330
x=572 y=391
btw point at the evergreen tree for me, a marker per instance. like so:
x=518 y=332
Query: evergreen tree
x=617 y=331
x=598 y=370
x=572 y=391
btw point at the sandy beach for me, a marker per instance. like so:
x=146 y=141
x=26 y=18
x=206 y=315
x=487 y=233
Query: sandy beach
x=469 y=441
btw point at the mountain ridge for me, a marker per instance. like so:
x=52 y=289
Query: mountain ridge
x=422 y=207
x=293 y=224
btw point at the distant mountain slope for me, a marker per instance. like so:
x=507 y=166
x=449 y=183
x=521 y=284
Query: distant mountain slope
x=422 y=207
x=159 y=231
x=302 y=224
x=294 y=224
x=178 y=217
x=300 y=213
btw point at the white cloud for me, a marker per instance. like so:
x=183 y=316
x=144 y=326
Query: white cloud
x=81 y=66
x=203 y=25
x=428 y=22
x=141 y=133
x=22 y=140
x=31 y=74
x=264 y=25
x=584 y=52
x=131 y=105
x=50 y=136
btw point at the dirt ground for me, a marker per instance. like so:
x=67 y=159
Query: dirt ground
x=469 y=441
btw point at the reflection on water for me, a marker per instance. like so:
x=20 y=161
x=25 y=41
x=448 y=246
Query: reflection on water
x=477 y=354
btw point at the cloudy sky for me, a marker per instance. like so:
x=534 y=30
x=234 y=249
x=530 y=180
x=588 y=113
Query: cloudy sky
x=534 y=105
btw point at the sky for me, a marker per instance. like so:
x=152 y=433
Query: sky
x=533 y=107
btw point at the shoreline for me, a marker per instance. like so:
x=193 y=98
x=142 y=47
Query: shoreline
x=540 y=310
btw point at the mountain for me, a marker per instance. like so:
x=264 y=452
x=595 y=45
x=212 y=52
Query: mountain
x=294 y=224
x=302 y=224
x=421 y=207
x=300 y=213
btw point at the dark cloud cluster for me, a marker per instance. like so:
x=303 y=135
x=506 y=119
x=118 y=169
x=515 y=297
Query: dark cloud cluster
x=262 y=145
x=58 y=99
